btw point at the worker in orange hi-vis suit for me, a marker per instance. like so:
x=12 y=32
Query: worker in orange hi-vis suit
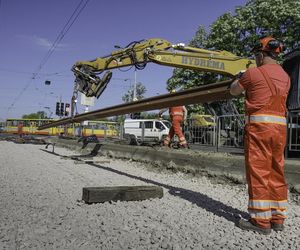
x=20 y=129
x=178 y=115
x=266 y=89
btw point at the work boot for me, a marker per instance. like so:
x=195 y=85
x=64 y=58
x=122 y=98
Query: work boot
x=277 y=227
x=186 y=146
x=248 y=225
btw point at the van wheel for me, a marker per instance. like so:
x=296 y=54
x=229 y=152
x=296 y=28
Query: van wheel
x=130 y=139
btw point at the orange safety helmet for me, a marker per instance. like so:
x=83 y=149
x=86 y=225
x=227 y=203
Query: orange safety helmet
x=268 y=43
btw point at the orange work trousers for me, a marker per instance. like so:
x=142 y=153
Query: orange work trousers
x=264 y=157
x=176 y=129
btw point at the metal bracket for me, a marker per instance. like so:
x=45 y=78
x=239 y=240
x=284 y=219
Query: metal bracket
x=89 y=83
x=52 y=144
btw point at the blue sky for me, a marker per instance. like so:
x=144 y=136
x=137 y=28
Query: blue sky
x=28 y=29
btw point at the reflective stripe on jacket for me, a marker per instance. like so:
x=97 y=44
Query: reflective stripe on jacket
x=262 y=118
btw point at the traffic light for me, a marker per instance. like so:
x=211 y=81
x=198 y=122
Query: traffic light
x=67 y=109
x=62 y=110
x=57 y=112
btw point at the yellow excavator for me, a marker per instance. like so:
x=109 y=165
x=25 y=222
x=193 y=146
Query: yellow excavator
x=158 y=51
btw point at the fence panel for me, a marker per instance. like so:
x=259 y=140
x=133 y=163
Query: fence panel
x=200 y=134
x=223 y=132
x=293 y=141
x=230 y=132
x=226 y=133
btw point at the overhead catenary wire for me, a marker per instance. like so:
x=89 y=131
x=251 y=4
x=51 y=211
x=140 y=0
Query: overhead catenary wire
x=79 y=8
x=64 y=31
x=30 y=73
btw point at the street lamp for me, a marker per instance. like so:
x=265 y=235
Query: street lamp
x=134 y=88
x=49 y=110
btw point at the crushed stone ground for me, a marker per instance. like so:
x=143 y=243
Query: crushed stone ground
x=41 y=207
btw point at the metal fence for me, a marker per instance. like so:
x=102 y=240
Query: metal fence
x=293 y=141
x=218 y=133
x=225 y=132
x=230 y=131
x=199 y=134
x=228 y=134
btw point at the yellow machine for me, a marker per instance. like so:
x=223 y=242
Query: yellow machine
x=203 y=120
x=157 y=51
x=200 y=129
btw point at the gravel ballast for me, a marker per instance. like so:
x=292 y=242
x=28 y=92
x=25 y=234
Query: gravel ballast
x=41 y=207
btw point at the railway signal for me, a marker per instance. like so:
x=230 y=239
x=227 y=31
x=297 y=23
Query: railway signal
x=62 y=109
x=57 y=110
x=67 y=109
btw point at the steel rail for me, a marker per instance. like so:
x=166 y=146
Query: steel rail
x=202 y=94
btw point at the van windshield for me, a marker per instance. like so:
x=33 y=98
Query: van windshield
x=159 y=125
x=168 y=124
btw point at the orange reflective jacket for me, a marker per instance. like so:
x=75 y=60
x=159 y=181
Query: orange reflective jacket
x=176 y=111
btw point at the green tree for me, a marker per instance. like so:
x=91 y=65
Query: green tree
x=186 y=78
x=37 y=115
x=140 y=91
x=149 y=115
x=239 y=32
x=118 y=118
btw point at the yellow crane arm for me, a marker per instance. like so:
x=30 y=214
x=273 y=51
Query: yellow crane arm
x=157 y=51
x=218 y=63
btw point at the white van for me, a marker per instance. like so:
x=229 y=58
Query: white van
x=138 y=131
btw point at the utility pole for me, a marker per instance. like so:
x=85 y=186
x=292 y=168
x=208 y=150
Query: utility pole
x=60 y=101
x=134 y=86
